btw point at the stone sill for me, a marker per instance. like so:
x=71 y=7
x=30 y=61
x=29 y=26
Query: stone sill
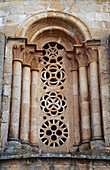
x=90 y=155
x=17 y=150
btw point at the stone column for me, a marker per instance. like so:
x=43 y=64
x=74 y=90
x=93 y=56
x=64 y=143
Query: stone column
x=2 y=52
x=76 y=118
x=94 y=88
x=76 y=115
x=84 y=101
x=16 y=93
x=25 y=105
x=34 y=102
x=104 y=73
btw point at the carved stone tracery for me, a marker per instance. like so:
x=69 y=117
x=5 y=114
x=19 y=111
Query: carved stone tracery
x=53 y=102
x=53 y=75
x=53 y=133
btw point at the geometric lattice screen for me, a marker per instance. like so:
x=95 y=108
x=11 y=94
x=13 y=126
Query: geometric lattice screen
x=53 y=104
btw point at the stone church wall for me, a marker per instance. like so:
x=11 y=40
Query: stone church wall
x=94 y=13
x=55 y=164
x=96 y=16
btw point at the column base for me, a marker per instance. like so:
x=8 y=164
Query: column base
x=84 y=146
x=20 y=147
x=97 y=144
x=25 y=142
x=13 y=146
x=73 y=149
x=14 y=139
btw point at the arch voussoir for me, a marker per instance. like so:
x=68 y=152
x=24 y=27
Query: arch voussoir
x=30 y=26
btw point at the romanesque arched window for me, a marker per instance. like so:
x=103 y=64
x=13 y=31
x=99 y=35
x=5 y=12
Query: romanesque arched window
x=46 y=103
x=55 y=101
x=57 y=97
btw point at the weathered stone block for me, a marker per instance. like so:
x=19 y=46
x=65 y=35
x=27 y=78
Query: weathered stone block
x=84 y=147
x=76 y=7
x=104 y=66
x=14 y=19
x=5 y=9
x=102 y=16
x=7 y=78
x=1 y=21
x=104 y=78
x=18 y=10
x=97 y=144
x=7 y=90
x=102 y=167
x=6 y=103
x=19 y=2
x=105 y=89
x=107 y=7
x=9 y=29
x=60 y=7
x=92 y=7
x=33 y=9
x=5 y=4
x=83 y=166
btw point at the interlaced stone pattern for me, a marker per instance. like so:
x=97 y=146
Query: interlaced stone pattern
x=53 y=103
x=53 y=132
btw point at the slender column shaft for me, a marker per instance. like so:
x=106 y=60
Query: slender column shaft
x=2 y=47
x=95 y=106
x=34 y=108
x=25 y=106
x=76 y=120
x=85 y=117
x=16 y=95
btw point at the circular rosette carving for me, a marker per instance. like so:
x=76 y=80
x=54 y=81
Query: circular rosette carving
x=53 y=53
x=53 y=75
x=53 y=133
x=53 y=103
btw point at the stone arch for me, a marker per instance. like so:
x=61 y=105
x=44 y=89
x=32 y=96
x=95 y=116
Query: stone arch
x=49 y=21
x=39 y=68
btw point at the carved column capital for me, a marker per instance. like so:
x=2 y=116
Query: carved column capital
x=92 y=54
x=28 y=55
x=34 y=63
x=17 y=52
x=36 y=59
x=71 y=57
x=74 y=65
x=81 y=57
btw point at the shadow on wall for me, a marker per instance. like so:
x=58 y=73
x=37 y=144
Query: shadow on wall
x=109 y=45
